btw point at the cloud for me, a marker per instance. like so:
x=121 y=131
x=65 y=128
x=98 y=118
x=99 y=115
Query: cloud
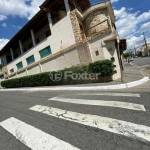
x=17 y=27
x=14 y=8
x=145 y=27
x=3 y=17
x=127 y=22
x=3 y=42
x=130 y=24
x=137 y=42
x=113 y=1
x=34 y=8
x=22 y=8
x=4 y=25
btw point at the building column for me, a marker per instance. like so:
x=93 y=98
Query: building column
x=27 y=72
x=16 y=75
x=67 y=6
x=41 y=70
x=33 y=37
x=12 y=54
x=90 y=52
x=4 y=60
x=20 y=45
x=49 y=20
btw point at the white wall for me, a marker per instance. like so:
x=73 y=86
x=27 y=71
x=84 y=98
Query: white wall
x=106 y=50
x=111 y=51
x=67 y=59
x=62 y=30
x=60 y=62
x=21 y=74
x=95 y=45
x=34 y=70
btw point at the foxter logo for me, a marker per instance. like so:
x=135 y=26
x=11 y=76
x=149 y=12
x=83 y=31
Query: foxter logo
x=57 y=76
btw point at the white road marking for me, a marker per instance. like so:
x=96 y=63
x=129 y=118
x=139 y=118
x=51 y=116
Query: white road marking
x=118 y=104
x=33 y=137
x=29 y=92
x=128 y=129
x=111 y=94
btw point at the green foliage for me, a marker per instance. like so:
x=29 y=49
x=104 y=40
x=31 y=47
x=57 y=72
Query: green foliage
x=104 y=67
x=127 y=54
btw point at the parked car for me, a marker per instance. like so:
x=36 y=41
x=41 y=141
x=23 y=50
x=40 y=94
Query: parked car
x=130 y=59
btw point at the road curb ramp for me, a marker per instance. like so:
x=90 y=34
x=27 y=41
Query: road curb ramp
x=83 y=88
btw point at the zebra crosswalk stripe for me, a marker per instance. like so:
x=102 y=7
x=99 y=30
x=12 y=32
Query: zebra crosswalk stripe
x=118 y=104
x=34 y=138
x=128 y=129
x=110 y=94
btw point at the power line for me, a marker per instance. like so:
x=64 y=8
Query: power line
x=144 y=7
x=145 y=43
x=133 y=31
x=138 y=3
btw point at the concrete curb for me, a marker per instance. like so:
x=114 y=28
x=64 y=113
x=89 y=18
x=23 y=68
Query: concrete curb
x=92 y=88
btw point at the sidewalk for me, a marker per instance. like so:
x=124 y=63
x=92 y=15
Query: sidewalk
x=130 y=74
x=131 y=77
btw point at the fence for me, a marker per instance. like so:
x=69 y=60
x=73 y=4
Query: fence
x=98 y=29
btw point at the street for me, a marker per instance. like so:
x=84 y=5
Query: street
x=142 y=61
x=142 y=64
x=84 y=120
x=68 y=79
x=75 y=120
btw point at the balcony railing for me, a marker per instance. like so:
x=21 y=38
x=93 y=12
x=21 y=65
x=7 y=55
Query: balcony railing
x=96 y=30
x=61 y=14
x=25 y=49
x=85 y=7
x=43 y=36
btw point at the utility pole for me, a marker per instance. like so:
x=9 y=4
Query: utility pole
x=119 y=58
x=135 y=50
x=145 y=42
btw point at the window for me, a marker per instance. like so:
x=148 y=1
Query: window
x=30 y=60
x=19 y=65
x=12 y=70
x=97 y=53
x=3 y=62
x=45 y=52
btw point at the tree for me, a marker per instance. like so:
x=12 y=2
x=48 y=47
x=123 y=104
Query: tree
x=126 y=55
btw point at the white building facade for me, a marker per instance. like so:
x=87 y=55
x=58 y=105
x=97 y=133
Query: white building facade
x=62 y=34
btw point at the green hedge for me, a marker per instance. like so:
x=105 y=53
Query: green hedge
x=105 y=67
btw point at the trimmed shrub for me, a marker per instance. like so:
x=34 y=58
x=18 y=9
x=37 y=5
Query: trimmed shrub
x=105 y=68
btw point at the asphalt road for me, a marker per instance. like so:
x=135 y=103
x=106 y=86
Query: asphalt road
x=143 y=65
x=81 y=136
x=142 y=61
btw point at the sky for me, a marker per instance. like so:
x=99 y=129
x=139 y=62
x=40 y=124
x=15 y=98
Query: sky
x=132 y=19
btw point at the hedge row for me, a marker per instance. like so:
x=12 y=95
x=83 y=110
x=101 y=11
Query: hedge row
x=104 y=67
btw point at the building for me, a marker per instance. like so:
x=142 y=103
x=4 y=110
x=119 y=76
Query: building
x=62 y=34
x=143 y=51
